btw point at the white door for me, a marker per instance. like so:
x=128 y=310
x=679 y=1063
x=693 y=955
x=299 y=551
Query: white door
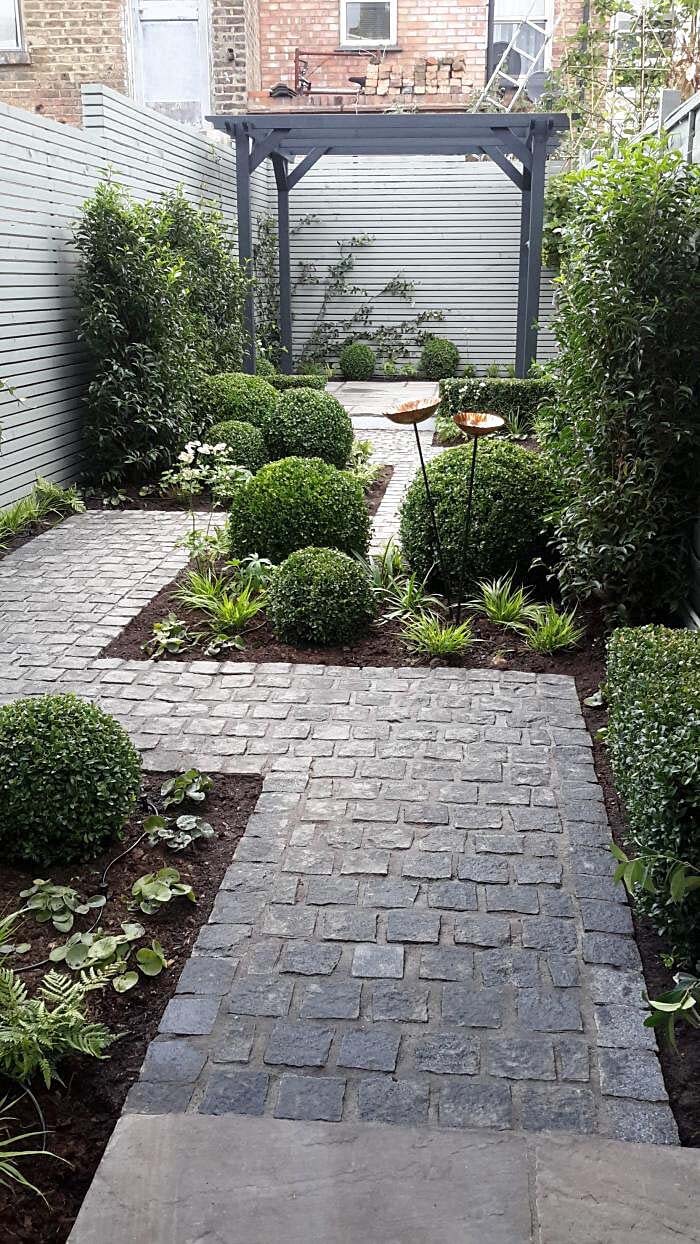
x=171 y=57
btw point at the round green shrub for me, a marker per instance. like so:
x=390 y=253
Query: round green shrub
x=263 y=367
x=310 y=424
x=235 y=395
x=513 y=491
x=296 y=502
x=245 y=441
x=320 y=596
x=357 y=361
x=439 y=358
x=69 y=778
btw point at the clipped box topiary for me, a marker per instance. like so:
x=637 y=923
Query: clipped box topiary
x=439 y=358
x=296 y=502
x=235 y=395
x=282 y=382
x=245 y=441
x=310 y=424
x=513 y=492
x=320 y=596
x=357 y=361
x=69 y=779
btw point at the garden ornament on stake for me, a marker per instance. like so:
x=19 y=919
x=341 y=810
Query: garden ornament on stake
x=413 y=413
x=474 y=424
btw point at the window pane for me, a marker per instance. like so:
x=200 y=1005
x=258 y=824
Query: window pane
x=518 y=10
x=369 y=21
x=528 y=40
x=9 y=34
x=171 y=69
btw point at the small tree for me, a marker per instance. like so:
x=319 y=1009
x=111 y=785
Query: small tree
x=627 y=419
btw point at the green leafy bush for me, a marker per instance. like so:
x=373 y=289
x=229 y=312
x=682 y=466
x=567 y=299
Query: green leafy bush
x=246 y=442
x=237 y=396
x=512 y=399
x=308 y=381
x=320 y=596
x=512 y=494
x=69 y=778
x=310 y=424
x=357 y=361
x=295 y=503
x=37 y=1033
x=625 y=434
x=653 y=692
x=439 y=358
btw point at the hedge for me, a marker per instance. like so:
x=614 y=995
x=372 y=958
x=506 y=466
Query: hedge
x=653 y=692
x=506 y=397
x=282 y=381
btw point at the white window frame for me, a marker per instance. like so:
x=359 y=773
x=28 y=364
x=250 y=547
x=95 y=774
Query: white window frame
x=173 y=11
x=19 y=44
x=548 y=19
x=347 y=41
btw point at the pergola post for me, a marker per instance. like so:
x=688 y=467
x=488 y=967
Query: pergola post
x=280 y=166
x=530 y=267
x=245 y=242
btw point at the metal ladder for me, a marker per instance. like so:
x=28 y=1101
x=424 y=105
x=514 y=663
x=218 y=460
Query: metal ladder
x=535 y=64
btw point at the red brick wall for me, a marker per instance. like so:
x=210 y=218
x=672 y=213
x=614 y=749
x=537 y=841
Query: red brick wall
x=69 y=42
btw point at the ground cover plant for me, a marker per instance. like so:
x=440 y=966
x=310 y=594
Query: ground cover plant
x=45 y=505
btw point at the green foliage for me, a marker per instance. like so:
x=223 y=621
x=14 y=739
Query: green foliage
x=307 y=381
x=626 y=414
x=203 y=468
x=357 y=361
x=310 y=424
x=178 y=835
x=439 y=358
x=681 y=1002
x=320 y=596
x=509 y=398
x=551 y=630
x=267 y=292
x=245 y=442
x=360 y=463
x=13 y=1150
x=405 y=596
x=59 y=904
x=237 y=396
x=171 y=635
x=653 y=691
x=69 y=778
x=431 y=635
x=36 y=1033
x=504 y=603
x=382 y=569
x=297 y=503
x=513 y=492
x=191 y=785
x=110 y=953
x=229 y=603
x=558 y=210
x=46 y=500
x=153 y=891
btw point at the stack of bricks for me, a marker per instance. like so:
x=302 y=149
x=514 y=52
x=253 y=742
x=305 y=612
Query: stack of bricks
x=433 y=76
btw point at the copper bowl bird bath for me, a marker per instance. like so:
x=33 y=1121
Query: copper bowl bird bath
x=412 y=412
x=478 y=423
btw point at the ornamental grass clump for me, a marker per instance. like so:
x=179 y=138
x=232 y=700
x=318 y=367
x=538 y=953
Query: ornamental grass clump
x=69 y=779
x=298 y=503
x=311 y=424
x=320 y=596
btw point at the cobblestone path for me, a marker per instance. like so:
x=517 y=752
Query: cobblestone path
x=419 y=925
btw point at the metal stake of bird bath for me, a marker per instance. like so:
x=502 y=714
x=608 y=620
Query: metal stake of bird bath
x=413 y=413
x=475 y=424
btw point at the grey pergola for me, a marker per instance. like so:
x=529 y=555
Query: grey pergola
x=525 y=138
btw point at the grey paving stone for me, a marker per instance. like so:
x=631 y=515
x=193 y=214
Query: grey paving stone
x=498 y=844
x=538 y=871
x=260 y=995
x=548 y=933
x=551 y=1010
x=523 y=899
x=620 y=952
x=446 y=964
x=617 y=985
x=446 y=838
x=427 y=865
x=222 y=938
x=482 y=930
x=146 y=1097
x=238 y=907
x=640 y=1122
x=472 y=1006
x=388 y=837
x=413 y=926
x=332 y=891
x=347 y=925
x=558 y=1109
x=485 y=868
x=476 y=817
x=397 y=1002
x=586 y=885
x=310 y=1097
x=374 y=1049
x=506 y=966
x=190 y=1016
x=390 y=893
x=574 y=1059
x=555 y=902
x=622 y=1027
x=452 y=895
x=378 y=961
x=605 y=917
x=172 y=1062
x=446 y=1053
x=393 y=1101
x=332 y=1000
x=521 y=1059
x=235 y=1043
x=310 y=958
x=281 y=921
x=631 y=1073
x=240 y=1092
x=362 y=862
x=298 y=1044
x=563 y=969
x=206 y=976
x=475 y=1105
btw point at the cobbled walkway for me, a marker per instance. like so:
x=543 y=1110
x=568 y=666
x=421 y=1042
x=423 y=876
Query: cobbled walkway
x=419 y=925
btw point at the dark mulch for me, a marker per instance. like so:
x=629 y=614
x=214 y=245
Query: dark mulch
x=81 y=1113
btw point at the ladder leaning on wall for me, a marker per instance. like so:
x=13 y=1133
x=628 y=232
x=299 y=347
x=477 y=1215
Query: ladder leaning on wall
x=491 y=96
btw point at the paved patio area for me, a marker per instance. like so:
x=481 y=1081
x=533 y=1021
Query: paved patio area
x=367 y=401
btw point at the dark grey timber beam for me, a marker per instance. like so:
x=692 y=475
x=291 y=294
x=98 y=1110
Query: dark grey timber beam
x=279 y=164
x=245 y=243
x=299 y=170
x=505 y=164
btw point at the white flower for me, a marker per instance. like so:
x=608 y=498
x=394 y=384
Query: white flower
x=186 y=457
x=205 y=449
x=220 y=448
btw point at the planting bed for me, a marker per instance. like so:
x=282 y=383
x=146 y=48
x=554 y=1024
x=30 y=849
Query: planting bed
x=81 y=1113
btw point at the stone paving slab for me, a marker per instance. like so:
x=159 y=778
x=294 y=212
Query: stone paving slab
x=176 y=1180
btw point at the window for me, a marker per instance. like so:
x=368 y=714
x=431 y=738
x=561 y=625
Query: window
x=525 y=23
x=171 y=58
x=10 y=26
x=367 y=23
